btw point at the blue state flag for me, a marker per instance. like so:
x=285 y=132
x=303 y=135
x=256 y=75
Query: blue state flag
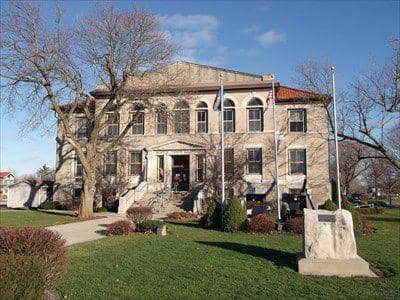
x=217 y=103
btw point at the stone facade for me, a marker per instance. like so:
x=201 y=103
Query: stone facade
x=187 y=148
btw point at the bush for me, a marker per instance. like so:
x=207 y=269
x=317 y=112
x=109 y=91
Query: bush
x=347 y=205
x=213 y=217
x=100 y=209
x=41 y=242
x=124 y=227
x=22 y=277
x=181 y=215
x=139 y=213
x=262 y=224
x=49 y=205
x=329 y=205
x=234 y=215
x=149 y=226
x=366 y=225
x=376 y=210
x=295 y=225
x=379 y=203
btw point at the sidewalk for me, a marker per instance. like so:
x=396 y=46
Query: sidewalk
x=81 y=232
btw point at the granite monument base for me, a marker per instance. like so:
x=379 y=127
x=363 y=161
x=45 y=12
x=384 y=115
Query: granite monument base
x=329 y=245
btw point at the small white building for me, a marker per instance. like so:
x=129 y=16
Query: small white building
x=28 y=194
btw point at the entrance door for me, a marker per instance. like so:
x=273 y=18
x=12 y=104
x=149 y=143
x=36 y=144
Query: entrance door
x=180 y=172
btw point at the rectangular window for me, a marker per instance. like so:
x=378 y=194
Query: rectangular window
x=202 y=121
x=79 y=167
x=113 y=124
x=111 y=163
x=135 y=162
x=254 y=160
x=161 y=123
x=182 y=121
x=255 y=119
x=298 y=120
x=201 y=168
x=229 y=161
x=229 y=120
x=160 y=172
x=297 y=161
x=82 y=128
x=138 y=123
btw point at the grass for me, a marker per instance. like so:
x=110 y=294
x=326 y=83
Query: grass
x=33 y=218
x=196 y=263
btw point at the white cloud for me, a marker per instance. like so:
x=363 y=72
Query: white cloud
x=271 y=37
x=190 y=22
x=191 y=30
x=195 y=35
x=251 y=29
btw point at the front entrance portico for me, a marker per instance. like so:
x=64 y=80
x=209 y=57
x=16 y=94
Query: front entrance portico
x=177 y=161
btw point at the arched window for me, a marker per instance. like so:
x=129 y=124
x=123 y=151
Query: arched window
x=181 y=117
x=138 y=118
x=229 y=116
x=255 y=115
x=161 y=121
x=202 y=117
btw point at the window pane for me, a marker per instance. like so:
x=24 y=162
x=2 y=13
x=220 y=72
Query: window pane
x=182 y=121
x=82 y=128
x=297 y=120
x=161 y=124
x=229 y=162
x=138 y=125
x=160 y=171
x=201 y=121
x=229 y=120
x=111 y=163
x=297 y=161
x=200 y=168
x=254 y=157
x=136 y=163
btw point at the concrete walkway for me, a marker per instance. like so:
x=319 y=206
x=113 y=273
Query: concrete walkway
x=86 y=231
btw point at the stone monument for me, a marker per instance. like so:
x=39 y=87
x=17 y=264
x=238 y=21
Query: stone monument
x=329 y=246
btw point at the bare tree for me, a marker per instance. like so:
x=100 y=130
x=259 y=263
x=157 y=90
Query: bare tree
x=383 y=176
x=370 y=106
x=352 y=167
x=45 y=65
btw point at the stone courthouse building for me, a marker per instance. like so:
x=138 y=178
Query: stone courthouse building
x=180 y=150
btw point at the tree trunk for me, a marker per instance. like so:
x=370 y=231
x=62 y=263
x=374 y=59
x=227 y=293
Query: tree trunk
x=88 y=193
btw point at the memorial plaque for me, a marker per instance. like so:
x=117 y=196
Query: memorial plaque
x=326 y=218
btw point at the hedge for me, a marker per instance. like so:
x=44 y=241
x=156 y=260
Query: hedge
x=22 y=277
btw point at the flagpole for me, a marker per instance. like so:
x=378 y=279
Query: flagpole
x=222 y=144
x=276 y=151
x=336 y=140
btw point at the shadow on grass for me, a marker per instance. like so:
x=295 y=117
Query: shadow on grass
x=192 y=224
x=57 y=212
x=383 y=219
x=277 y=257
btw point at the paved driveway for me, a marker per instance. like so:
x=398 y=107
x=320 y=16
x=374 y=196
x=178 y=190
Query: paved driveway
x=81 y=232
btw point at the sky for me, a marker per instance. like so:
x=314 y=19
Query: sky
x=256 y=37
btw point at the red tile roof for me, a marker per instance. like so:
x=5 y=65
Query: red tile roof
x=3 y=174
x=285 y=92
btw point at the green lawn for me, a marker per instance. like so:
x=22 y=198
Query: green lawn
x=195 y=263
x=32 y=218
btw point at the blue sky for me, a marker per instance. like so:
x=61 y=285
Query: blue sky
x=257 y=37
